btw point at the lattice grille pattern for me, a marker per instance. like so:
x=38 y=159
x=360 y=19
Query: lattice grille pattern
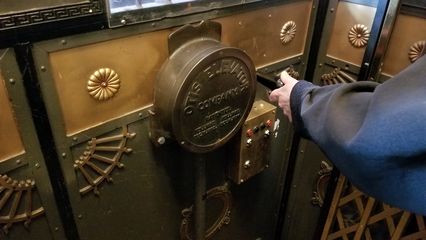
x=354 y=215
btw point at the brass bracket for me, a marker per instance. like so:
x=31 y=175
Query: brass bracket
x=321 y=184
x=222 y=193
x=13 y=195
x=97 y=152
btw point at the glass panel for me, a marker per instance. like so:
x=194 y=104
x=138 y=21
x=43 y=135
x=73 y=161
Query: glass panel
x=127 y=5
x=124 y=12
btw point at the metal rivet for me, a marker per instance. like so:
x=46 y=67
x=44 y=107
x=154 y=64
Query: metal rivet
x=332 y=10
x=302 y=151
x=313 y=7
x=140 y=114
x=37 y=165
x=64 y=155
x=153 y=24
x=12 y=81
x=80 y=216
x=56 y=229
x=64 y=42
x=18 y=161
x=123 y=21
x=182 y=143
x=43 y=68
x=333 y=61
x=366 y=64
x=161 y=140
x=90 y=10
x=75 y=139
x=270 y=15
x=320 y=65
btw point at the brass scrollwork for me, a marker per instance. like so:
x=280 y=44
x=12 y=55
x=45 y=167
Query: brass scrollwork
x=99 y=150
x=417 y=50
x=358 y=35
x=103 y=84
x=292 y=72
x=222 y=193
x=288 y=32
x=335 y=77
x=321 y=184
x=17 y=196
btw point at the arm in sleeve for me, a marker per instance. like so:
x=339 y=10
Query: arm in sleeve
x=375 y=134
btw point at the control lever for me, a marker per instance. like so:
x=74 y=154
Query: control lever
x=267 y=81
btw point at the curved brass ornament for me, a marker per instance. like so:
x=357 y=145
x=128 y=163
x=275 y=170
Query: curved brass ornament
x=321 y=184
x=292 y=72
x=335 y=77
x=106 y=151
x=417 y=50
x=288 y=32
x=16 y=196
x=358 y=35
x=103 y=84
x=220 y=192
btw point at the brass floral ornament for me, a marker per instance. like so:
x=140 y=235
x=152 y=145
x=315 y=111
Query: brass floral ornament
x=288 y=32
x=417 y=50
x=103 y=84
x=358 y=35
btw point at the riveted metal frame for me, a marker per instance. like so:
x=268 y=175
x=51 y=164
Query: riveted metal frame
x=31 y=164
x=381 y=32
x=324 y=62
x=406 y=7
x=67 y=146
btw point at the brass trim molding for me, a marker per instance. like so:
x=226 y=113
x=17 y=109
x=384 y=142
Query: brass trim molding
x=13 y=195
x=288 y=32
x=292 y=72
x=417 y=50
x=98 y=151
x=335 y=77
x=358 y=35
x=220 y=192
x=103 y=84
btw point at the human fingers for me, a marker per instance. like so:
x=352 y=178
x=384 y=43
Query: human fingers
x=286 y=78
x=274 y=95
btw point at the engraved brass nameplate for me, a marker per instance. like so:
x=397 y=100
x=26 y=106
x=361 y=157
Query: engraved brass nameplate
x=204 y=91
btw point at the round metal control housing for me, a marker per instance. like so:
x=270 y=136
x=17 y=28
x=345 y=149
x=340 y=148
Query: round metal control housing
x=203 y=93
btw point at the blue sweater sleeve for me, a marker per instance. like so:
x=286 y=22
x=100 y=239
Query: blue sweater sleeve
x=375 y=134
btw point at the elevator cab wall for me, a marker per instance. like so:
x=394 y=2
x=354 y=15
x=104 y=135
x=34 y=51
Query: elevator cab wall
x=27 y=205
x=120 y=183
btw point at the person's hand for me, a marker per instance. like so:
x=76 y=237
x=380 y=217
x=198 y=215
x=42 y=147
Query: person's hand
x=282 y=94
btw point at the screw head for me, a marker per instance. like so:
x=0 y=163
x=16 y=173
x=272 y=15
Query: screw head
x=12 y=81
x=161 y=140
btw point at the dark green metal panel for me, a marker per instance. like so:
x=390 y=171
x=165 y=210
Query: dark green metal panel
x=28 y=165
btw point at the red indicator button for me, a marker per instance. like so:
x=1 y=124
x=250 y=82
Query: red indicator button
x=249 y=133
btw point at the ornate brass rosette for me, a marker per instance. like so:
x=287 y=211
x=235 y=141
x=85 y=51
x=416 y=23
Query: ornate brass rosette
x=417 y=50
x=288 y=32
x=103 y=84
x=358 y=35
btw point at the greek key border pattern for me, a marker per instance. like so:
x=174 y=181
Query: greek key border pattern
x=21 y=19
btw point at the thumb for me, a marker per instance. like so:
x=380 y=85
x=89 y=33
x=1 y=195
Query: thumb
x=273 y=97
x=285 y=77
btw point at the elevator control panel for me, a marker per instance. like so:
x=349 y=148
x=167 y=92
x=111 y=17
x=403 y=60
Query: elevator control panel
x=253 y=145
